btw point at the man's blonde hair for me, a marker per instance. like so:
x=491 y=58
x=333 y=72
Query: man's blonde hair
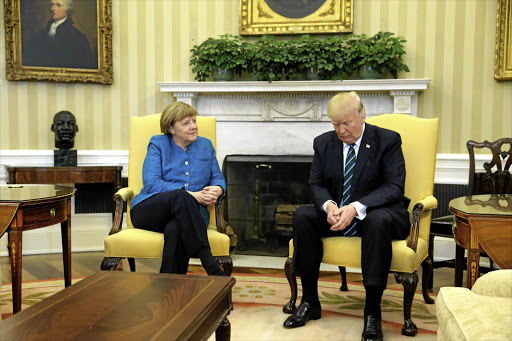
x=175 y=112
x=345 y=103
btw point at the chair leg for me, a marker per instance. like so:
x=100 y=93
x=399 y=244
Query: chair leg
x=431 y=256
x=343 y=275
x=409 y=282
x=290 y=307
x=226 y=263
x=425 y=279
x=131 y=262
x=110 y=263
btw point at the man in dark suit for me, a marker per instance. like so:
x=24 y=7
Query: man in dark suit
x=357 y=187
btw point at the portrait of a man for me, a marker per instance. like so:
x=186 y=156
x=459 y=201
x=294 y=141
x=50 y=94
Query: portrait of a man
x=52 y=38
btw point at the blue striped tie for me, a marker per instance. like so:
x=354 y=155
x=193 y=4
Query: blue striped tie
x=345 y=199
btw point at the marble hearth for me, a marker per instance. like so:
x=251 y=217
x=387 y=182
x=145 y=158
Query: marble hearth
x=282 y=118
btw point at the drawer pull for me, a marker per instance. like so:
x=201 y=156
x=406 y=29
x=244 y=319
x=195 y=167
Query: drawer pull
x=52 y=212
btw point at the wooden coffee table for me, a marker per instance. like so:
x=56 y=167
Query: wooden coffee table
x=129 y=306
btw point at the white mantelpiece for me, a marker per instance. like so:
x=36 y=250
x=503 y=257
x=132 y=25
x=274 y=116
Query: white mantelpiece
x=300 y=101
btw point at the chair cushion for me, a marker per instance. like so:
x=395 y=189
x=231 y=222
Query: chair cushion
x=343 y=251
x=495 y=283
x=465 y=315
x=139 y=243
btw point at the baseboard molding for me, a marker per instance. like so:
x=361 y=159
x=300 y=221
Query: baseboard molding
x=89 y=230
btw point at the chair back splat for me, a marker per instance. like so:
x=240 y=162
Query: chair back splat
x=497 y=178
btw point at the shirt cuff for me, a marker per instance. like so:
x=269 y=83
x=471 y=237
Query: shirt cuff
x=360 y=209
x=324 y=206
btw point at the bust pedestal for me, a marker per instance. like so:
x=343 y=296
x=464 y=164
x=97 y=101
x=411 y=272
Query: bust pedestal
x=64 y=158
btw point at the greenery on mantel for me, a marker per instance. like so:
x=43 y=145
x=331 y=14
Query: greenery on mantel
x=270 y=59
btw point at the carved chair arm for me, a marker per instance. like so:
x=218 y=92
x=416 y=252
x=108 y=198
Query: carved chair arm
x=223 y=227
x=428 y=203
x=120 y=198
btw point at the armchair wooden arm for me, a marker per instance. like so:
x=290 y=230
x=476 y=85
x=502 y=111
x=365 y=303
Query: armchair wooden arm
x=120 y=198
x=428 y=203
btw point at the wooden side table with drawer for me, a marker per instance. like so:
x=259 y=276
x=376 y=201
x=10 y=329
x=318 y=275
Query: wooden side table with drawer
x=67 y=175
x=34 y=207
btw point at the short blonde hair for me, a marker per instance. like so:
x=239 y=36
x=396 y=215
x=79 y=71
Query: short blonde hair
x=345 y=103
x=175 y=112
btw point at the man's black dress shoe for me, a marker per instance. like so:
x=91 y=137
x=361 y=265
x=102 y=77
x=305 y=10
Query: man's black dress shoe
x=305 y=313
x=372 y=329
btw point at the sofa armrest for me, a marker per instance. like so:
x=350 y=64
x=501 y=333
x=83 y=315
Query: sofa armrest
x=427 y=203
x=121 y=196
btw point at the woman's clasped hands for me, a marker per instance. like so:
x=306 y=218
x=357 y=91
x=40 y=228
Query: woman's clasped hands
x=208 y=195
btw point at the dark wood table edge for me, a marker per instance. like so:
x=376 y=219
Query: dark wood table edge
x=221 y=326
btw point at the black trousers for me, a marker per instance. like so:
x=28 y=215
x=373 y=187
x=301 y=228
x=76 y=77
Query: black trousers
x=377 y=231
x=175 y=214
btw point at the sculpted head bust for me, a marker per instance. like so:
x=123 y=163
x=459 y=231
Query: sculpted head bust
x=65 y=128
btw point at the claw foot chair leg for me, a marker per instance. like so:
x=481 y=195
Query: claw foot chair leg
x=290 y=307
x=110 y=263
x=426 y=265
x=343 y=275
x=409 y=282
x=226 y=263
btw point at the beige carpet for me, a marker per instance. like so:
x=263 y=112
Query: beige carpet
x=258 y=315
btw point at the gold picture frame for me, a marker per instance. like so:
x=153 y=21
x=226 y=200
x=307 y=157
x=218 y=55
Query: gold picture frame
x=258 y=17
x=503 y=56
x=83 y=55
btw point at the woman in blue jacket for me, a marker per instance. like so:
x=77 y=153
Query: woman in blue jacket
x=181 y=176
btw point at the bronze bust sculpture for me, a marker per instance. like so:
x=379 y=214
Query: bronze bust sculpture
x=65 y=129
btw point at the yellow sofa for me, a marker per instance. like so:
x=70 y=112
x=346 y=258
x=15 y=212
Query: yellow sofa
x=482 y=313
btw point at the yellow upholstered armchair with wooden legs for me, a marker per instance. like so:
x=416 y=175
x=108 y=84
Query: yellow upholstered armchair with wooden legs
x=419 y=145
x=131 y=242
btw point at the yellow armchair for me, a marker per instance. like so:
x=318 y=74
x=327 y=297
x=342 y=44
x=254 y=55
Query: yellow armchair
x=419 y=145
x=132 y=242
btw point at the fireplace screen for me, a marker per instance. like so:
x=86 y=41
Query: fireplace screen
x=263 y=191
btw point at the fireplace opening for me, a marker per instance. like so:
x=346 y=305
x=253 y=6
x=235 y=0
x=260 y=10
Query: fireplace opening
x=262 y=193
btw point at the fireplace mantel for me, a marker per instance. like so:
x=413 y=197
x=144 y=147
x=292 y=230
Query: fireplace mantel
x=293 y=100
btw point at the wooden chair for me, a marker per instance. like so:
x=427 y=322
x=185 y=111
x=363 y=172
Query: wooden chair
x=419 y=145
x=496 y=179
x=132 y=242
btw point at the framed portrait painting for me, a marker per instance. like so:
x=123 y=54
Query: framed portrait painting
x=59 y=40
x=259 y=17
x=503 y=56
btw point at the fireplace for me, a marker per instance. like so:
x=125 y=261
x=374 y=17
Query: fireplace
x=258 y=186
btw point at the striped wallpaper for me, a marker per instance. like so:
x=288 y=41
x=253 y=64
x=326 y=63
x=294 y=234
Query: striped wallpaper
x=450 y=41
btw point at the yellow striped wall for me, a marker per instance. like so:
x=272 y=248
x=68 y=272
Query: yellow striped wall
x=450 y=41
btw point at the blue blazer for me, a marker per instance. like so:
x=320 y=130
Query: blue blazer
x=168 y=167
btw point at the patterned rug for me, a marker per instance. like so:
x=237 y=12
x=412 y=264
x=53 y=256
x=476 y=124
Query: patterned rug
x=258 y=315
